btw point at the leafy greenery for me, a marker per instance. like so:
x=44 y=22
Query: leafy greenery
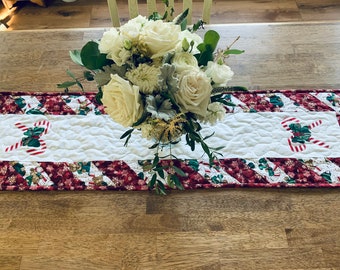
x=207 y=48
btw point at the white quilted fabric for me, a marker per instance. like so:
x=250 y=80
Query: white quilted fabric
x=96 y=137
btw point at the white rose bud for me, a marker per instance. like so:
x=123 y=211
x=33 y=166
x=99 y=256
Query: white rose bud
x=192 y=38
x=219 y=74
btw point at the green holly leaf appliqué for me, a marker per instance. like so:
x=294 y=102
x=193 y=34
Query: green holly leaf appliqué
x=19 y=168
x=301 y=134
x=263 y=165
x=32 y=139
x=327 y=176
x=276 y=101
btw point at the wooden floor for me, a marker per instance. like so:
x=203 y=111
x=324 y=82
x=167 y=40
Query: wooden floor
x=264 y=229
x=94 y=13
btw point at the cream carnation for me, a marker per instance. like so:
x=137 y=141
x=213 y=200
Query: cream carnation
x=122 y=101
x=194 y=92
x=160 y=37
x=144 y=76
x=219 y=74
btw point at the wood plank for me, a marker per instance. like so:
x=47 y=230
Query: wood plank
x=312 y=10
x=201 y=229
x=280 y=258
x=292 y=57
x=95 y=13
x=10 y=262
x=220 y=229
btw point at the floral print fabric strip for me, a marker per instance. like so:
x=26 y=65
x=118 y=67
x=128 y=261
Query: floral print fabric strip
x=267 y=171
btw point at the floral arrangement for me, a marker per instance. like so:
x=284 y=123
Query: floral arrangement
x=163 y=79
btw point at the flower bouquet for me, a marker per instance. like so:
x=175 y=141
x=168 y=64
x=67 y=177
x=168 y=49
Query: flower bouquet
x=162 y=79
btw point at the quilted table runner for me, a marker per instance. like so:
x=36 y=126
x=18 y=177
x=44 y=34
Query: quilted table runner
x=59 y=141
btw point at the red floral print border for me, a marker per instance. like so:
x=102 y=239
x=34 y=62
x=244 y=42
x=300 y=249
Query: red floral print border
x=119 y=175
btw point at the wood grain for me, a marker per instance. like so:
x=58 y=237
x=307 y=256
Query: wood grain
x=202 y=229
x=221 y=229
x=277 y=56
x=94 y=13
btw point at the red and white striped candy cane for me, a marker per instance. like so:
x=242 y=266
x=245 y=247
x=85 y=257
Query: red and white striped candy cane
x=13 y=146
x=315 y=124
x=18 y=144
x=38 y=151
x=43 y=123
x=285 y=123
x=296 y=147
x=318 y=142
x=21 y=126
x=313 y=140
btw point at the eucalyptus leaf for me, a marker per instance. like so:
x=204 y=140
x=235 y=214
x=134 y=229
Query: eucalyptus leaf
x=182 y=17
x=161 y=173
x=233 y=51
x=70 y=73
x=161 y=186
x=177 y=182
x=126 y=133
x=91 y=57
x=155 y=160
x=179 y=171
x=75 y=57
x=208 y=136
x=66 y=84
x=152 y=182
x=154 y=146
x=211 y=38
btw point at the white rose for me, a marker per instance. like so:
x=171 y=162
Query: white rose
x=190 y=37
x=113 y=45
x=160 y=37
x=122 y=101
x=194 y=92
x=133 y=27
x=219 y=74
x=184 y=61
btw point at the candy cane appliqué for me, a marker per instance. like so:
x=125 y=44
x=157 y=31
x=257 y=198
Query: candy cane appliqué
x=32 y=138
x=301 y=134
